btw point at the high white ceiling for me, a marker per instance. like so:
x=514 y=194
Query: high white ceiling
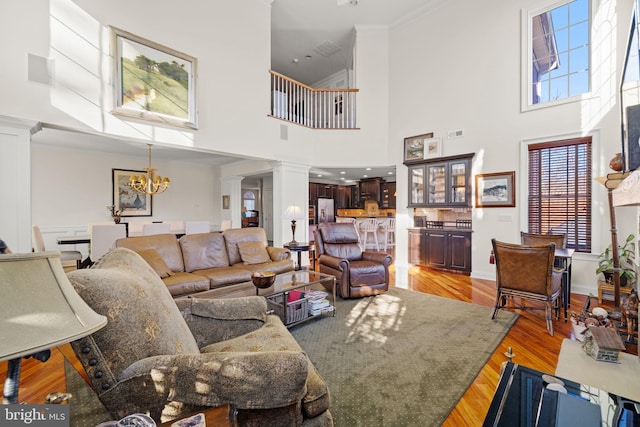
x=299 y=27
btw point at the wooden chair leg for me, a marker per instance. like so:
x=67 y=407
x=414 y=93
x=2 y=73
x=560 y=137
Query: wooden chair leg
x=549 y=317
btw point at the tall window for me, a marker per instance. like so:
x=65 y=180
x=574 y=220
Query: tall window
x=557 y=63
x=560 y=190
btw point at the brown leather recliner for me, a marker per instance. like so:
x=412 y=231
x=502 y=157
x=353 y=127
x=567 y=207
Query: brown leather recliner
x=358 y=273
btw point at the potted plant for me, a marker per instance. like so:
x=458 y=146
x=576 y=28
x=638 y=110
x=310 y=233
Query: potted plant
x=626 y=256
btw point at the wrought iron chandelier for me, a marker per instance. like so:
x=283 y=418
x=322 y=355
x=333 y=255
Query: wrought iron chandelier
x=150 y=183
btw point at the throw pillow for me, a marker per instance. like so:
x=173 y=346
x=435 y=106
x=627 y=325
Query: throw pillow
x=253 y=252
x=156 y=262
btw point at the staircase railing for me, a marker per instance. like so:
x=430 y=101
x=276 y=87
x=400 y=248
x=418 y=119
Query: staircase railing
x=317 y=108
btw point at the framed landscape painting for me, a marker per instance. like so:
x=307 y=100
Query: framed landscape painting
x=495 y=190
x=126 y=198
x=153 y=82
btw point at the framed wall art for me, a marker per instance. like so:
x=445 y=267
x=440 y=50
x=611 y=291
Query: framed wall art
x=153 y=82
x=496 y=190
x=417 y=147
x=226 y=201
x=126 y=198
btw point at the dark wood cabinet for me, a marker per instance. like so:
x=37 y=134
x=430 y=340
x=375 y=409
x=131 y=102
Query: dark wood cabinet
x=444 y=249
x=343 y=196
x=442 y=182
x=388 y=195
x=370 y=189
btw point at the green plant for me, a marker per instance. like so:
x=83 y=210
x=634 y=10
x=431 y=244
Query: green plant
x=626 y=256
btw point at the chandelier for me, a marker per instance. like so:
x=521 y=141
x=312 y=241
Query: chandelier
x=150 y=183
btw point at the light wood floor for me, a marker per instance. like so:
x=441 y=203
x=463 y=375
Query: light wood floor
x=528 y=338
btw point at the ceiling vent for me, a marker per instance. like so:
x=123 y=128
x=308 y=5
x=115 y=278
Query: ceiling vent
x=327 y=49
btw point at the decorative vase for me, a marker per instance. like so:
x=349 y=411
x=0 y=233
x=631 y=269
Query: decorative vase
x=617 y=163
x=117 y=219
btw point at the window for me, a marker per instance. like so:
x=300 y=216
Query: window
x=557 y=60
x=560 y=190
x=249 y=201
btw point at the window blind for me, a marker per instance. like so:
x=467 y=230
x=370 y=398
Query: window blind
x=560 y=190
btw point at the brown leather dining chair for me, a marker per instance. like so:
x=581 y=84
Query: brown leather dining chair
x=531 y=239
x=527 y=272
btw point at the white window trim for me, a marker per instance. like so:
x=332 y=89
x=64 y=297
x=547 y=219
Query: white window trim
x=527 y=58
x=599 y=206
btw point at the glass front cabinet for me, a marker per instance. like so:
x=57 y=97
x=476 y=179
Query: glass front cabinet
x=443 y=182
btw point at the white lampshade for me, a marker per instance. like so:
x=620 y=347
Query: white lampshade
x=39 y=309
x=293 y=212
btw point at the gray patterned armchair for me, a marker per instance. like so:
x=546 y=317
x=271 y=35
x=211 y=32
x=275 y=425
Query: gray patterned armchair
x=169 y=358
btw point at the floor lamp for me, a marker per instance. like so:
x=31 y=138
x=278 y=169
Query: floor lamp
x=39 y=310
x=622 y=190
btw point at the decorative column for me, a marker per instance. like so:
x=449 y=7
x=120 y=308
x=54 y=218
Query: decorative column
x=15 y=182
x=290 y=188
x=232 y=187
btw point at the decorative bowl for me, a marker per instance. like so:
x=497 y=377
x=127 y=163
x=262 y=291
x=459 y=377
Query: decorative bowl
x=263 y=279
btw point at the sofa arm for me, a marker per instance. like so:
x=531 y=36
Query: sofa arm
x=380 y=257
x=278 y=254
x=217 y=319
x=250 y=380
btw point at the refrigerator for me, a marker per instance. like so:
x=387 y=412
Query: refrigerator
x=325 y=211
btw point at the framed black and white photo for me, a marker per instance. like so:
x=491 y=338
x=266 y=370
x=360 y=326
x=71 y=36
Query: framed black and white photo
x=126 y=198
x=495 y=190
x=153 y=82
x=420 y=147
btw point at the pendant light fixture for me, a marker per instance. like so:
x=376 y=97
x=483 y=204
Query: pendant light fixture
x=150 y=183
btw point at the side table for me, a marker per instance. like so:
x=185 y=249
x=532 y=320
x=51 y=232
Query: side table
x=608 y=287
x=299 y=248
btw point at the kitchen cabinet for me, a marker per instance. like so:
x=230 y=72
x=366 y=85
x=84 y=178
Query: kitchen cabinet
x=370 y=189
x=442 y=182
x=388 y=195
x=343 y=196
x=443 y=249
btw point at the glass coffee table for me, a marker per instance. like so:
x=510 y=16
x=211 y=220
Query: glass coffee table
x=301 y=295
x=303 y=291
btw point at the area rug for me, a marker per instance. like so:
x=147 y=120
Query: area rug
x=402 y=358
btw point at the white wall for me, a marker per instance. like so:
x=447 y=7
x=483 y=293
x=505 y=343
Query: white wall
x=463 y=72
x=71 y=188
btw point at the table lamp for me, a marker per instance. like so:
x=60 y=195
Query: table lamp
x=293 y=212
x=39 y=309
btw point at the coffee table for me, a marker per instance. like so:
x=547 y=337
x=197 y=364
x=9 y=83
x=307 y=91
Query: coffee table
x=279 y=292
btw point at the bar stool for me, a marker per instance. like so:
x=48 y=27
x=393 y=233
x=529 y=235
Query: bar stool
x=389 y=232
x=371 y=226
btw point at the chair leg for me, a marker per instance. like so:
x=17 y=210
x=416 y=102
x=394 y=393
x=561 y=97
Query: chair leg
x=497 y=305
x=548 y=311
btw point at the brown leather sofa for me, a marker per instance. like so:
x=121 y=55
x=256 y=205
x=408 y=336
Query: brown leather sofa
x=358 y=273
x=200 y=262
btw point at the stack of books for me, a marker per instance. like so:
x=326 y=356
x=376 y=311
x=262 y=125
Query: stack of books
x=318 y=302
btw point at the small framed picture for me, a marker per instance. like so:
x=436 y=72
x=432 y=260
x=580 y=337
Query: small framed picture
x=126 y=198
x=225 y=201
x=496 y=190
x=415 y=149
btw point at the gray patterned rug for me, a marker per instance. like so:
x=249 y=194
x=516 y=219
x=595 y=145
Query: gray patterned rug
x=403 y=358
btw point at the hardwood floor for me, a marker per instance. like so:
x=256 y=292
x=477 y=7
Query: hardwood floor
x=528 y=339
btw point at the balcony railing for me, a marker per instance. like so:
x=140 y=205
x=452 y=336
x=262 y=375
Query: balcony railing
x=330 y=108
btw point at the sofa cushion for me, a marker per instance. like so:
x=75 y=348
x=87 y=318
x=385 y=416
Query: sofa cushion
x=253 y=252
x=234 y=235
x=221 y=276
x=182 y=283
x=203 y=250
x=165 y=244
x=156 y=262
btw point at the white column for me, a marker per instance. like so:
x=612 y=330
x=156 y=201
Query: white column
x=231 y=186
x=290 y=188
x=15 y=182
